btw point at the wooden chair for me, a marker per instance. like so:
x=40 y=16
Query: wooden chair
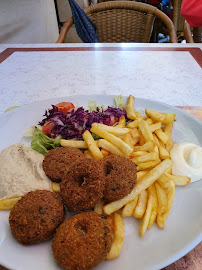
x=123 y=21
x=192 y=34
x=178 y=19
x=187 y=33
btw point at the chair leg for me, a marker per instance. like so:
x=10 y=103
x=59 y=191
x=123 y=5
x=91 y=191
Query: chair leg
x=197 y=34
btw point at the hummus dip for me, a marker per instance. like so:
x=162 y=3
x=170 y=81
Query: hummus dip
x=21 y=171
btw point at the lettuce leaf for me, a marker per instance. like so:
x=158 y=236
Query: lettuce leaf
x=119 y=102
x=92 y=105
x=42 y=143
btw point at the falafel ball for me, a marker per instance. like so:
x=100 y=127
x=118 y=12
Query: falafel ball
x=82 y=241
x=82 y=186
x=59 y=160
x=35 y=217
x=120 y=177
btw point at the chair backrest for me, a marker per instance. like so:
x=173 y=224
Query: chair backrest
x=124 y=21
x=177 y=18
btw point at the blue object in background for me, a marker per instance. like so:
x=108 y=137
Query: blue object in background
x=85 y=27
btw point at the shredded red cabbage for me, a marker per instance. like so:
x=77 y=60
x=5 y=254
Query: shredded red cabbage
x=72 y=124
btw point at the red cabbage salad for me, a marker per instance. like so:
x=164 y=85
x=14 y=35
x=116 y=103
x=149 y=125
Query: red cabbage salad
x=64 y=121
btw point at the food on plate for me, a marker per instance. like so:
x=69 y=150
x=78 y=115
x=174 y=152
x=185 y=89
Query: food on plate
x=124 y=147
x=119 y=232
x=35 y=217
x=21 y=171
x=41 y=142
x=92 y=146
x=59 y=160
x=72 y=143
x=6 y=204
x=124 y=169
x=73 y=123
x=99 y=207
x=120 y=177
x=111 y=148
x=129 y=208
x=141 y=205
x=187 y=160
x=82 y=241
x=143 y=184
x=83 y=185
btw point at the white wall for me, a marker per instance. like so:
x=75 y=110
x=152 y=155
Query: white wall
x=28 y=21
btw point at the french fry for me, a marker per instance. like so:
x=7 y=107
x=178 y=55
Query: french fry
x=138 y=115
x=122 y=122
x=153 y=194
x=110 y=147
x=156 y=116
x=71 y=143
x=125 y=148
x=104 y=152
x=6 y=204
x=169 y=171
x=161 y=135
x=169 y=118
x=155 y=126
x=144 y=158
x=164 y=182
x=162 y=199
x=146 y=218
x=118 y=237
x=163 y=152
x=143 y=184
x=135 y=141
x=145 y=130
x=148 y=146
x=134 y=123
x=113 y=130
x=131 y=114
x=127 y=138
x=99 y=206
x=92 y=146
x=141 y=174
x=156 y=140
x=149 y=121
x=134 y=133
x=180 y=180
x=160 y=221
x=128 y=209
x=148 y=165
x=55 y=187
x=141 y=139
x=138 y=154
x=168 y=131
x=88 y=154
x=156 y=150
x=141 y=205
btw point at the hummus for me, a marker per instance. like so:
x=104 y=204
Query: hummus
x=21 y=171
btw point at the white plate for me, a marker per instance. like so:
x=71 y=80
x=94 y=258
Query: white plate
x=157 y=248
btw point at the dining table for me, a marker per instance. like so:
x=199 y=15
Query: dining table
x=168 y=73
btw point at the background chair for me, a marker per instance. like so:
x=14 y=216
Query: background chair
x=187 y=33
x=123 y=21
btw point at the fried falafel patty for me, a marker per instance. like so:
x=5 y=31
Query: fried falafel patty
x=59 y=160
x=82 y=241
x=35 y=217
x=120 y=177
x=82 y=186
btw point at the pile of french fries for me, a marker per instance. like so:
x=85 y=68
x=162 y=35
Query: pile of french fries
x=147 y=141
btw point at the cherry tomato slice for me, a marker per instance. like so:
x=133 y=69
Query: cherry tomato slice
x=112 y=121
x=47 y=127
x=65 y=106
